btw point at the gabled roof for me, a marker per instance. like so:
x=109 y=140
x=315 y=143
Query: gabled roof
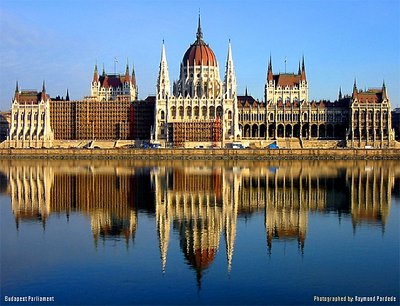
x=287 y=79
x=113 y=80
x=370 y=96
x=29 y=97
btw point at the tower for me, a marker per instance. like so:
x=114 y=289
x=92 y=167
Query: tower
x=163 y=84
x=230 y=96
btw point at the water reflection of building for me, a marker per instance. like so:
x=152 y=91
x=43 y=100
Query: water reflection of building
x=30 y=192
x=202 y=202
x=105 y=194
x=286 y=194
x=199 y=204
x=370 y=194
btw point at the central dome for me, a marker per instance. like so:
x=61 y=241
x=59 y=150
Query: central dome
x=199 y=53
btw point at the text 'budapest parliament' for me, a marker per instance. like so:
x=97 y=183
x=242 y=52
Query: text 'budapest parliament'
x=201 y=110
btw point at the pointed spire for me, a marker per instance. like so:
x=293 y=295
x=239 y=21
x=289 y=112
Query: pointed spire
x=104 y=72
x=43 y=94
x=230 y=78
x=270 y=76
x=299 y=71
x=384 y=92
x=355 y=92
x=199 y=34
x=127 y=67
x=127 y=74
x=163 y=85
x=245 y=93
x=16 y=95
x=303 y=70
x=133 y=78
x=67 y=96
x=340 y=93
x=95 y=74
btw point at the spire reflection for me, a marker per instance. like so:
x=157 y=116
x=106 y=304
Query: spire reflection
x=200 y=203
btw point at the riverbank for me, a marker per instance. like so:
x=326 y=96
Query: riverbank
x=204 y=154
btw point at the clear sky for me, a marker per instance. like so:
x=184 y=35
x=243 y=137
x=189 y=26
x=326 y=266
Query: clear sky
x=60 y=42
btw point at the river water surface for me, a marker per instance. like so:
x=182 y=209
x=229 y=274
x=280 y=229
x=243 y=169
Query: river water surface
x=210 y=232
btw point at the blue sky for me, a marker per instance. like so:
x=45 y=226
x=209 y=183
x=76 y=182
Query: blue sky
x=60 y=41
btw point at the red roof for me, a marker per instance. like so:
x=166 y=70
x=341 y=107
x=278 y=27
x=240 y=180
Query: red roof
x=199 y=54
x=29 y=97
x=290 y=80
x=370 y=96
x=113 y=80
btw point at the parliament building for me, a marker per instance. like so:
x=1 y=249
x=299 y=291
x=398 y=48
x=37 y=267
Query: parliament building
x=200 y=109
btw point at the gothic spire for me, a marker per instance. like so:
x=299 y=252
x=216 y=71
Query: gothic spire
x=133 y=78
x=270 y=76
x=127 y=68
x=384 y=92
x=163 y=84
x=199 y=34
x=303 y=70
x=43 y=94
x=67 y=96
x=299 y=71
x=355 y=92
x=127 y=74
x=95 y=74
x=340 y=93
x=17 y=87
x=230 y=78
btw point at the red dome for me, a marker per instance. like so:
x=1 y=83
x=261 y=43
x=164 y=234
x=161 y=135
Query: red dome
x=199 y=53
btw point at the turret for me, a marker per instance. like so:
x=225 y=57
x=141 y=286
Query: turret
x=270 y=76
x=43 y=96
x=95 y=74
x=355 y=92
x=127 y=74
x=163 y=85
x=384 y=92
x=16 y=95
x=230 y=78
x=303 y=70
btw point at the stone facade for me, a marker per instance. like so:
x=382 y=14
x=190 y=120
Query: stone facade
x=30 y=119
x=370 y=120
x=109 y=87
x=200 y=102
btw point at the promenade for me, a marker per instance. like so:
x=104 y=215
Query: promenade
x=204 y=154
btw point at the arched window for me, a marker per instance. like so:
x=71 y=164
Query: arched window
x=219 y=112
x=173 y=112
x=204 y=112
x=212 y=112
x=229 y=115
x=189 y=111
x=196 y=111
x=162 y=115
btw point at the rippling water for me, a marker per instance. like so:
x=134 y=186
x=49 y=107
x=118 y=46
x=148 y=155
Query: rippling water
x=136 y=232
